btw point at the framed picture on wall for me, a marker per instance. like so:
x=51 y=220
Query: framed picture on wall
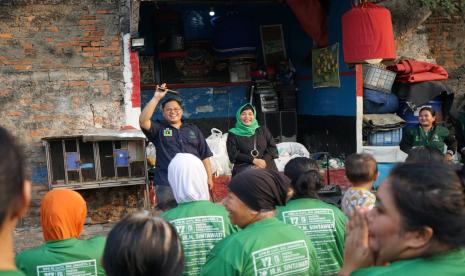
x=272 y=39
x=325 y=67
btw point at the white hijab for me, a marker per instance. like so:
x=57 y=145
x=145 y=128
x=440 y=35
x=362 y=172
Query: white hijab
x=188 y=178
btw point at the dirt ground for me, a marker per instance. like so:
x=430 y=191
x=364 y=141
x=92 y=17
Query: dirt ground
x=32 y=236
x=28 y=237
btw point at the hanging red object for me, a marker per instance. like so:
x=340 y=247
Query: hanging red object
x=367 y=34
x=312 y=18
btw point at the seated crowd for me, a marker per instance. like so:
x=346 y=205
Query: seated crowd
x=269 y=224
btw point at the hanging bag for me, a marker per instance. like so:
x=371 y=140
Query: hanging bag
x=220 y=160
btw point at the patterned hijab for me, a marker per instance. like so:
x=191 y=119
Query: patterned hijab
x=241 y=129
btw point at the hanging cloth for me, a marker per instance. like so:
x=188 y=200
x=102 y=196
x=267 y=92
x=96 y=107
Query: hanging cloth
x=367 y=34
x=312 y=18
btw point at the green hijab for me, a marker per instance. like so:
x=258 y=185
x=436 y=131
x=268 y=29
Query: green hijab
x=241 y=129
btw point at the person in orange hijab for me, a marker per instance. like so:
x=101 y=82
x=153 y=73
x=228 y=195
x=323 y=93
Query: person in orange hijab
x=63 y=213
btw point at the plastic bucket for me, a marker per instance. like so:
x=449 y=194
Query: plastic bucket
x=411 y=116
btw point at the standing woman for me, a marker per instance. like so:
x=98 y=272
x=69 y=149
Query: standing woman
x=428 y=133
x=250 y=145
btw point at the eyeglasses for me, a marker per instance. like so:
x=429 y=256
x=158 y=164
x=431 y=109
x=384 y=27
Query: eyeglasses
x=169 y=110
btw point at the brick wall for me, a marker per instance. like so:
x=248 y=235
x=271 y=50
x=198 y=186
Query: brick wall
x=439 y=40
x=60 y=72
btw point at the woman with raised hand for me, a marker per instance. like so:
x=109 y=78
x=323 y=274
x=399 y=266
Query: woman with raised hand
x=250 y=145
x=416 y=228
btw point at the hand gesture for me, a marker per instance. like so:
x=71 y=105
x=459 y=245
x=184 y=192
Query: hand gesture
x=160 y=91
x=357 y=253
x=448 y=157
x=259 y=163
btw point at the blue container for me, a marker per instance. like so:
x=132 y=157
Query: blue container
x=411 y=116
x=122 y=157
x=385 y=138
x=377 y=102
x=384 y=169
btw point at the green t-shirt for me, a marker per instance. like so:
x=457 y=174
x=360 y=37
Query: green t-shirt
x=63 y=257
x=450 y=264
x=324 y=224
x=200 y=225
x=11 y=273
x=267 y=247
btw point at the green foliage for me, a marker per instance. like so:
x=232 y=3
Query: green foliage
x=445 y=7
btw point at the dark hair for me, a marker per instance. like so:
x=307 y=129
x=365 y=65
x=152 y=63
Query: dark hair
x=247 y=107
x=431 y=194
x=305 y=177
x=12 y=174
x=179 y=101
x=427 y=108
x=361 y=167
x=424 y=154
x=141 y=244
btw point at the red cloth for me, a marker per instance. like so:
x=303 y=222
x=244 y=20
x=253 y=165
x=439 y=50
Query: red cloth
x=411 y=71
x=367 y=34
x=220 y=188
x=312 y=19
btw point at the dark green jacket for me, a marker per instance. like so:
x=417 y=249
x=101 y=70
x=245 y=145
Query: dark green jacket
x=437 y=137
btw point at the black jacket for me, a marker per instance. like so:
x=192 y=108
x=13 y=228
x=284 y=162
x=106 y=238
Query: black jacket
x=239 y=148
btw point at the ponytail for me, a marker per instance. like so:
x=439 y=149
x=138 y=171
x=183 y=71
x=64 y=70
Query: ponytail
x=308 y=184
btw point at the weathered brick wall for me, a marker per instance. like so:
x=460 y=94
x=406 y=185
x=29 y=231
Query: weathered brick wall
x=60 y=72
x=442 y=41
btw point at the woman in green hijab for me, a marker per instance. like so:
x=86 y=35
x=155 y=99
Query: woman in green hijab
x=250 y=145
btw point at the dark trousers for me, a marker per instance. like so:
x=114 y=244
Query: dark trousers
x=165 y=197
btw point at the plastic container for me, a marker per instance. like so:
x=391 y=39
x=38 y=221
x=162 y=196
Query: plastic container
x=377 y=78
x=385 y=138
x=384 y=169
x=411 y=115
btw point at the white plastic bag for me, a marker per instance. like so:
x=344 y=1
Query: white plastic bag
x=220 y=160
x=288 y=151
x=151 y=153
